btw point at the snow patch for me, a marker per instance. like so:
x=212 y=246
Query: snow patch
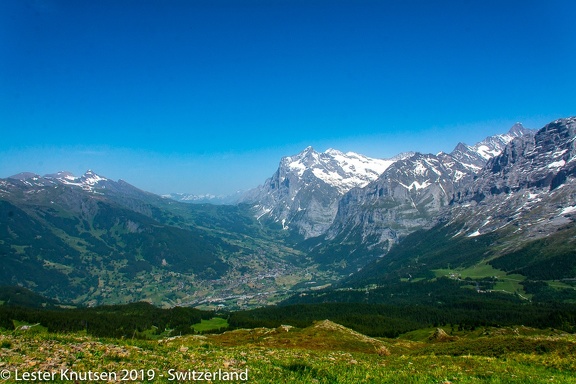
x=91 y=178
x=568 y=210
x=265 y=211
x=420 y=169
x=343 y=171
x=559 y=153
x=557 y=164
x=418 y=186
x=458 y=175
x=297 y=166
x=486 y=152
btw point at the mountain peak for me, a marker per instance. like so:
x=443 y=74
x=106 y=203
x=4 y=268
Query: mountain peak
x=305 y=190
x=518 y=130
x=23 y=176
x=61 y=175
x=91 y=174
x=461 y=147
x=333 y=152
x=92 y=178
x=475 y=157
x=307 y=150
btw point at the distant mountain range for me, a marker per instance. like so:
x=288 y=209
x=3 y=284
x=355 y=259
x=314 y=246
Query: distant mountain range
x=92 y=240
x=305 y=191
x=505 y=206
x=510 y=227
x=353 y=209
x=206 y=199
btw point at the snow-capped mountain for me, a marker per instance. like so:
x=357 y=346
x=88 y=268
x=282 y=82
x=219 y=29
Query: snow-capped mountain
x=89 y=181
x=516 y=215
x=411 y=191
x=408 y=196
x=34 y=187
x=475 y=157
x=308 y=189
x=529 y=188
x=304 y=192
x=339 y=170
x=401 y=200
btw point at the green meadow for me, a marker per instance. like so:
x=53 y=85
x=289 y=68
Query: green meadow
x=322 y=353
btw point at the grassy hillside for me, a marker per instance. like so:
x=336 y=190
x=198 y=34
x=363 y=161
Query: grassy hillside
x=322 y=353
x=22 y=297
x=118 y=248
x=142 y=343
x=392 y=320
x=540 y=270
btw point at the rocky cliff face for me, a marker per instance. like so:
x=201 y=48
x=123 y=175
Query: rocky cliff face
x=403 y=199
x=304 y=192
x=410 y=195
x=411 y=192
x=529 y=188
x=475 y=157
x=350 y=198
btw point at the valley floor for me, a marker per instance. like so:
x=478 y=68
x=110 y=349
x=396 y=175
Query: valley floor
x=323 y=353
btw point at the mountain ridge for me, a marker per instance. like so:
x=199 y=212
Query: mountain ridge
x=304 y=191
x=511 y=229
x=90 y=240
x=308 y=189
x=321 y=217
x=405 y=198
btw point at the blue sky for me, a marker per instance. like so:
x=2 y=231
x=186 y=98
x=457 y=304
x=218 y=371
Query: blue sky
x=206 y=96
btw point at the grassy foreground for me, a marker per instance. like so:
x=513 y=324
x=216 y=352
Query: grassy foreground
x=323 y=353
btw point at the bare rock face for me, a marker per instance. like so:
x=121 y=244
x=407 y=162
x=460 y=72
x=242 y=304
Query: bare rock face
x=403 y=199
x=521 y=181
x=304 y=192
x=413 y=191
x=440 y=335
x=542 y=161
x=475 y=157
x=529 y=188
